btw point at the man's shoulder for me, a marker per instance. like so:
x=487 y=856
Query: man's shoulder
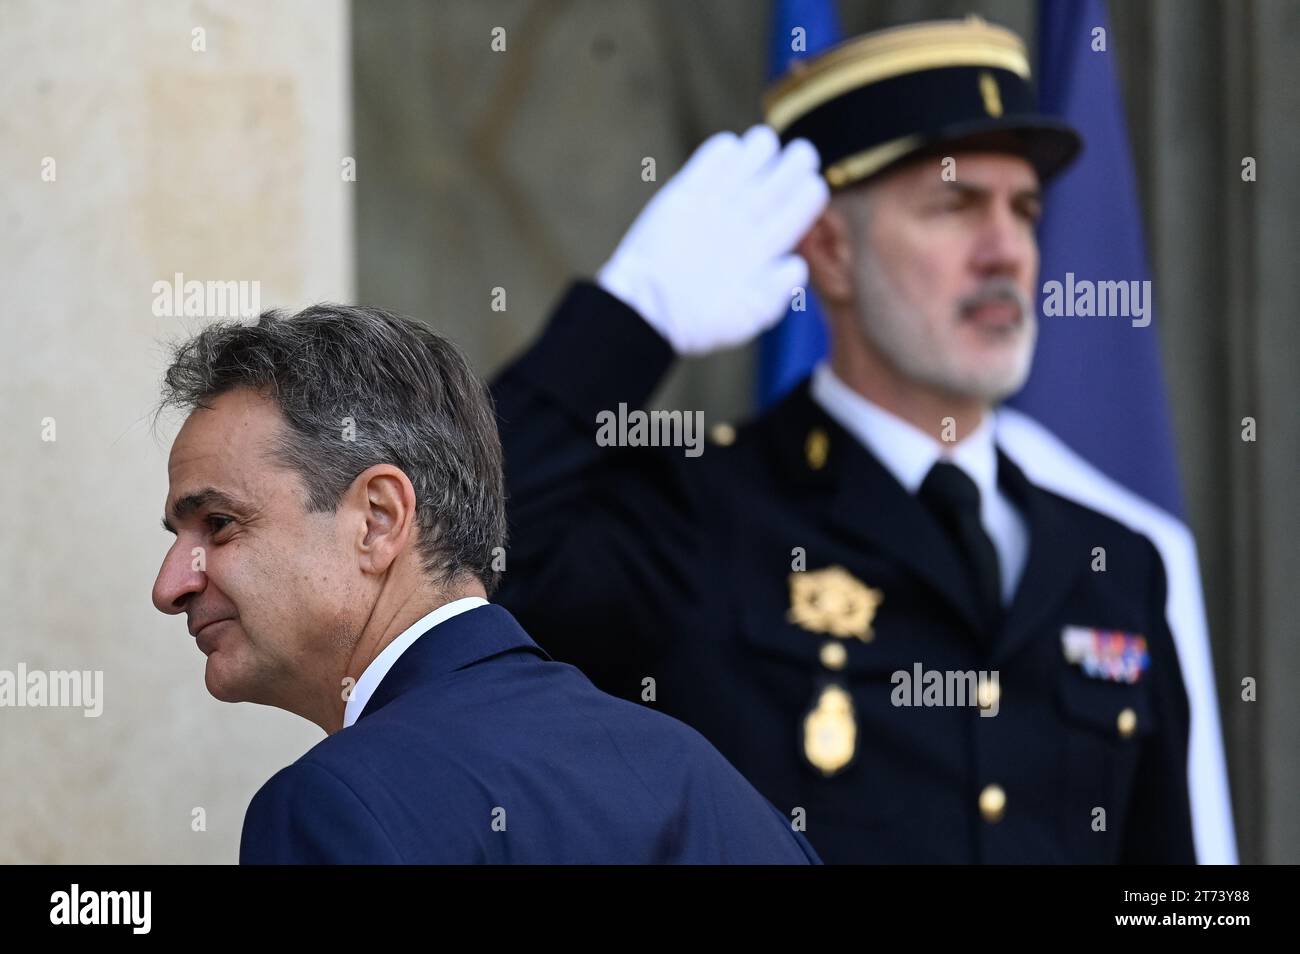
x=555 y=740
x=316 y=771
x=641 y=724
x=311 y=812
x=363 y=764
x=346 y=760
x=389 y=740
x=1105 y=529
x=761 y=452
x=554 y=712
x=464 y=720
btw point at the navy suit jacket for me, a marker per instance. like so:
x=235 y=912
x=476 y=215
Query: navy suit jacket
x=478 y=747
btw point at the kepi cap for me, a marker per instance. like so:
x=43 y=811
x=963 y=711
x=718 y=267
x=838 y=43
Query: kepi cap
x=875 y=101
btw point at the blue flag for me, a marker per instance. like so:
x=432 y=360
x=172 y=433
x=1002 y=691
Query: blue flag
x=1096 y=382
x=1092 y=422
x=788 y=351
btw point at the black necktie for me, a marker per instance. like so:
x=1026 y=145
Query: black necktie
x=955 y=500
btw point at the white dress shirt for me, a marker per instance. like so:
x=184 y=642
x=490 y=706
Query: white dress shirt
x=909 y=453
x=379 y=666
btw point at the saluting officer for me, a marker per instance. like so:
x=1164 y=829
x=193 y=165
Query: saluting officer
x=857 y=597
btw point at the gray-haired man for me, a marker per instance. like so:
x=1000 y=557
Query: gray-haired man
x=336 y=496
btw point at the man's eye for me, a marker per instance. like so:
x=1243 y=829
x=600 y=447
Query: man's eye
x=217 y=523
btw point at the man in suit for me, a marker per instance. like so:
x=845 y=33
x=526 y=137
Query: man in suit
x=336 y=497
x=857 y=597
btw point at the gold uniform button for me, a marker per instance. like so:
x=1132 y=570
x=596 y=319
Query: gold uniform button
x=1127 y=723
x=834 y=655
x=724 y=435
x=988 y=694
x=816 y=448
x=993 y=802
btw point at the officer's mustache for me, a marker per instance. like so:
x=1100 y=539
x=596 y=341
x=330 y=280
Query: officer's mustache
x=998 y=290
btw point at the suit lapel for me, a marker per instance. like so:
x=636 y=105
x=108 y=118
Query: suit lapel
x=854 y=493
x=857 y=496
x=1058 y=553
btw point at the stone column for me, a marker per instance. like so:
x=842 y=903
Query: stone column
x=138 y=141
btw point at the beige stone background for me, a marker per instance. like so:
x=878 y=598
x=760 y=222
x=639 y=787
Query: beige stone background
x=221 y=165
x=520 y=170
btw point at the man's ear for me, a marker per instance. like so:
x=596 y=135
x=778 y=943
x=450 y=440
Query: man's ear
x=828 y=250
x=385 y=499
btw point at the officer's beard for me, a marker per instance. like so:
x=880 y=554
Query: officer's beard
x=935 y=356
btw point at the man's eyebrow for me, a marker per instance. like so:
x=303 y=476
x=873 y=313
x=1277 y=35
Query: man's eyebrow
x=965 y=188
x=207 y=497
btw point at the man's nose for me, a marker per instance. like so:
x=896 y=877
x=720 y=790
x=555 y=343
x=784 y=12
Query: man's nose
x=177 y=580
x=1005 y=243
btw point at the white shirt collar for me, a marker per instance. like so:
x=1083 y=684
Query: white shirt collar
x=906 y=452
x=379 y=666
x=909 y=453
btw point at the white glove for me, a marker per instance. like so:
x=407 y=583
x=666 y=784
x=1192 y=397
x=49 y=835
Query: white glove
x=708 y=261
